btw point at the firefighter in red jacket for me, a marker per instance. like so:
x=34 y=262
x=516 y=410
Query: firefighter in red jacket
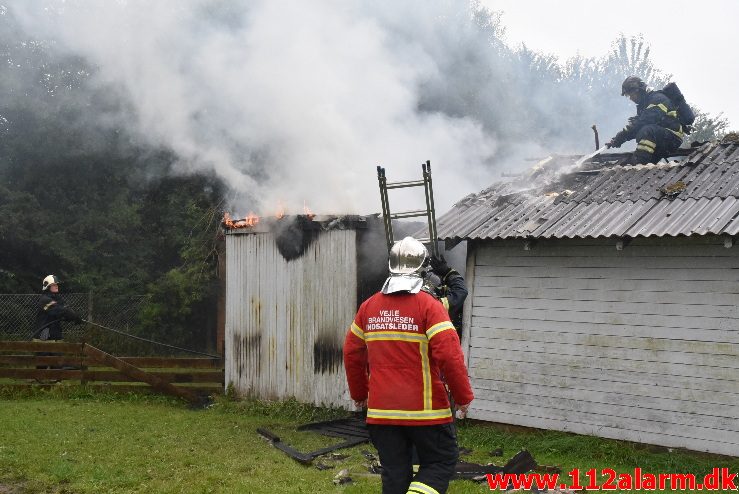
x=396 y=351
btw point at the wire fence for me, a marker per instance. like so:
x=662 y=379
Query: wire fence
x=18 y=314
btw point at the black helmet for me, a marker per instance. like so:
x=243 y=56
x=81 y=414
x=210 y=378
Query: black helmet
x=632 y=83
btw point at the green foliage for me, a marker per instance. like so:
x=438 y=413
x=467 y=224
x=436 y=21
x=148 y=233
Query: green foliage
x=532 y=102
x=707 y=128
x=289 y=409
x=89 y=443
x=630 y=56
x=81 y=200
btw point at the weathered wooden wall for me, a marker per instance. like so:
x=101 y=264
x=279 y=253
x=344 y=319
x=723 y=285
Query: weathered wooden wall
x=640 y=344
x=286 y=320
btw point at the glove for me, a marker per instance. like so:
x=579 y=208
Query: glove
x=614 y=143
x=439 y=266
x=462 y=410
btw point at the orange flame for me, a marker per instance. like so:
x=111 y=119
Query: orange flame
x=280 y=211
x=310 y=214
x=250 y=220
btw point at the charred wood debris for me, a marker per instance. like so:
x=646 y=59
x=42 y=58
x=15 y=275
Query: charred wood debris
x=353 y=431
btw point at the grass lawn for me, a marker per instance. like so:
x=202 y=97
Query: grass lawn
x=73 y=441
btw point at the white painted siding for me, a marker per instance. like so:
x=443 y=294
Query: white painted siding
x=640 y=344
x=286 y=321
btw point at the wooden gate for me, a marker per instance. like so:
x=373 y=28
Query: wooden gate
x=25 y=364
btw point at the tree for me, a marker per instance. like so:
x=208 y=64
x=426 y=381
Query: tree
x=85 y=201
x=631 y=56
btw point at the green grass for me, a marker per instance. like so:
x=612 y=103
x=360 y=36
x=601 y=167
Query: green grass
x=70 y=440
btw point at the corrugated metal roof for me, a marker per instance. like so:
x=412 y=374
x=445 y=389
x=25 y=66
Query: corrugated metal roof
x=602 y=199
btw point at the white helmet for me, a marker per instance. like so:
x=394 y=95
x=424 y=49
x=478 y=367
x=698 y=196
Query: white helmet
x=408 y=256
x=50 y=280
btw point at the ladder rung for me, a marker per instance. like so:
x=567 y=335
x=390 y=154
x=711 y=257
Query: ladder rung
x=409 y=214
x=399 y=185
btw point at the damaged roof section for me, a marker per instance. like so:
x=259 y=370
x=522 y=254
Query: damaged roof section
x=698 y=195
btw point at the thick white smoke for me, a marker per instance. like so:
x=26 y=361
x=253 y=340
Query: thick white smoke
x=288 y=101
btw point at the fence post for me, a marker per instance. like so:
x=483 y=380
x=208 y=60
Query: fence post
x=89 y=306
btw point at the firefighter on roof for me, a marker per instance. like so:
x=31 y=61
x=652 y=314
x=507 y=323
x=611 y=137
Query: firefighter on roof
x=402 y=337
x=656 y=126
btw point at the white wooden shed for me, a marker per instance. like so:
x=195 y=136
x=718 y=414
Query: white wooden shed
x=292 y=287
x=603 y=299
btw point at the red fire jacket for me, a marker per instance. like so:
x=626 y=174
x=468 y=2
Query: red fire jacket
x=395 y=353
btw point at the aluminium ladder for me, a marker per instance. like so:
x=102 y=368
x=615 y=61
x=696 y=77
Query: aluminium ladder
x=429 y=212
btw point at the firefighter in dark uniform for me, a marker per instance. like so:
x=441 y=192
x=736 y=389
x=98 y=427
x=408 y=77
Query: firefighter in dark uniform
x=403 y=338
x=451 y=291
x=655 y=127
x=52 y=310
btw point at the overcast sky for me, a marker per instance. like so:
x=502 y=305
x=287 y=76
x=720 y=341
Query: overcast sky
x=695 y=41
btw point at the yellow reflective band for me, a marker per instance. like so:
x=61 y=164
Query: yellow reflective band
x=678 y=133
x=426 y=369
x=645 y=149
x=46 y=307
x=377 y=413
x=357 y=331
x=395 y=336
x=649 y=143
x=438 y=328
x=661 y=106
x=420 y=487
x=445 y=302
x=672 y=113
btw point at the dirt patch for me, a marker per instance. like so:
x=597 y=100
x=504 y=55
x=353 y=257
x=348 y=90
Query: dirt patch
x=23 y=487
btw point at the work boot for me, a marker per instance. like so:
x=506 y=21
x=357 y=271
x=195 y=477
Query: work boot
x=641 y=158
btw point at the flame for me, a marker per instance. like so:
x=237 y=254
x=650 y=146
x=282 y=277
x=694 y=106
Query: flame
x=310 y=214
x=253 y=219
x=250 y=220
x=227 y=221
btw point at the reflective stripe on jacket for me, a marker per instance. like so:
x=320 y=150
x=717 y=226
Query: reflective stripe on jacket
x=654 y=109
x=395 y=353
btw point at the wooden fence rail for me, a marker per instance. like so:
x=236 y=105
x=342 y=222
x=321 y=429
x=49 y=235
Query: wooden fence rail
x=187 y=378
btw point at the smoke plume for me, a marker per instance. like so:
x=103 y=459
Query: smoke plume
x=297 y=102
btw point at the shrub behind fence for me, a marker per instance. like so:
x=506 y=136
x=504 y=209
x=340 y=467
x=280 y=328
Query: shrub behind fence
x=120 y=312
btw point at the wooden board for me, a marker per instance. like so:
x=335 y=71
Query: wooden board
x=642 y=343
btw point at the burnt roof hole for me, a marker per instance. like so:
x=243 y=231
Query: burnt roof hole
x=293 y=237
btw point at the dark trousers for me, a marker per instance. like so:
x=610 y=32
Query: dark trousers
x=436 y=446
x=653 y=143
x=47 y=354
